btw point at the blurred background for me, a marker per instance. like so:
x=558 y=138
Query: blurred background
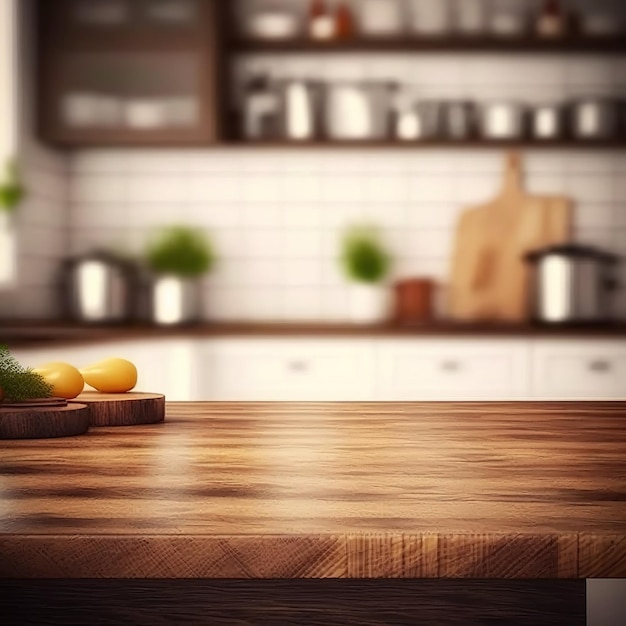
x=401 y=171
x=244 y=122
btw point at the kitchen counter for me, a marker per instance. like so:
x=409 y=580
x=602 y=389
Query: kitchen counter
x=441 y=490
x=49 y=334
x=368 y=513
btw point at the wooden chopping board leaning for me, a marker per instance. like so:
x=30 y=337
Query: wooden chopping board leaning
x=489 y=279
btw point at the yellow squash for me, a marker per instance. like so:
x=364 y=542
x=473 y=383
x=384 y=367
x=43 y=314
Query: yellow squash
x=111 y=375
x=67 y=382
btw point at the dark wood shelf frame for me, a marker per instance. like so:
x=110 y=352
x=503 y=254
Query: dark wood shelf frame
x=528 y=45
x=612 y=144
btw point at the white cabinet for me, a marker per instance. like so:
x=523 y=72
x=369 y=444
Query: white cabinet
x=579 y=370
x=283 y=369
x=451 y=369
x=353 y=369
x=163 y=366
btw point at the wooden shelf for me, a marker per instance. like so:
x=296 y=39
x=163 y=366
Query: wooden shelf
x=159 y=138
x=423 y=145
x=178 y=137
x=528 y=45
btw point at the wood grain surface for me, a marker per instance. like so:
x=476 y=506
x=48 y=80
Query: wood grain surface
x=123 y=409
x=318 y=490
x=43 y=422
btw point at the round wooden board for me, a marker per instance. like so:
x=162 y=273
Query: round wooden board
x=44 y=423
x=123 y=409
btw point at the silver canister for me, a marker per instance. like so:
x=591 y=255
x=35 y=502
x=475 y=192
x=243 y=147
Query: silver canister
x=572 y=284
x=98 y=287
x=547 y=122
x=358 y=111
x=301 y=109
x=503 y=120
x=260 y=110
x=459 y=120
x=594 y=118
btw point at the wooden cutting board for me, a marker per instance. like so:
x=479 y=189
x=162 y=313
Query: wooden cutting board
x=43 y=419
x=489 y=280
x=123 y=409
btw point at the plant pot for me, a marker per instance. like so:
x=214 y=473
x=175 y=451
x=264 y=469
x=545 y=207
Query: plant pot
x=369 y=304
x=175 y=300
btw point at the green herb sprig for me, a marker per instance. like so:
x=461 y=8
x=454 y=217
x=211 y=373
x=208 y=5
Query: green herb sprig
x=18 y=383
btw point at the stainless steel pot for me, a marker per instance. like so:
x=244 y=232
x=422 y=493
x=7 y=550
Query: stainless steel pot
x=301 y=109
x=356 y=111
x=594 y=118
x=572 y=284
x=98 y=287
x=459 y=120
x=503 y=120
x=547 y=122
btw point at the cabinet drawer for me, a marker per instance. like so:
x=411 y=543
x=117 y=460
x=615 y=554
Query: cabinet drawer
x=277 y=370
x=445 y=370
x=579 y=371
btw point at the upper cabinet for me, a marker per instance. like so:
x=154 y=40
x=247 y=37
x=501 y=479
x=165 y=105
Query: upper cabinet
x=129 y=72
x=263 y=72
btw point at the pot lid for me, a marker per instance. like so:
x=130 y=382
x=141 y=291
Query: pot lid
x=573 y=251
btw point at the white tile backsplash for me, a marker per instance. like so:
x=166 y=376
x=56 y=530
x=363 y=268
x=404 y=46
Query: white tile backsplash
x=276 y=216
x=153 y=189
x=100 y=188
x=276 y=219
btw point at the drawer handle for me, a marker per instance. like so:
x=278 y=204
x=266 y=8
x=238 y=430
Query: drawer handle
x=600 y=366
x=298 y=366
x=450 y=366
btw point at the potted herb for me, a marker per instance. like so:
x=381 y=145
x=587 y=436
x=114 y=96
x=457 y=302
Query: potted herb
x=11 y=195
x=177 y=257
x=11 y=189
x=366 y=263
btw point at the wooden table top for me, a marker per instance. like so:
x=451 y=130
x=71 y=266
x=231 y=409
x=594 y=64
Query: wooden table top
x=262 y=490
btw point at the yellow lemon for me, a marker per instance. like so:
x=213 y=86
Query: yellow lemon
x=111 y=375
x=67 y=382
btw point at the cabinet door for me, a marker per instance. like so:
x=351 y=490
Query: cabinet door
x=282 y=370
x=129 y=72
x=163 y=366
x=78 y=19
x=423 y=369
x=579 y=370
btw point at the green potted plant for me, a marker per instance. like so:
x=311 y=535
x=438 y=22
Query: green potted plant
x=366 y=263
x=11 y=189
x=11 y=195
x=177 y=257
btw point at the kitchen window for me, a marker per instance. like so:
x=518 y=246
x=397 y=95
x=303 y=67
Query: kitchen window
x=8 y=129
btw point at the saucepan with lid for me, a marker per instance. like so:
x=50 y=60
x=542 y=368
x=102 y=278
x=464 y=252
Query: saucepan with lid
x=572 y=284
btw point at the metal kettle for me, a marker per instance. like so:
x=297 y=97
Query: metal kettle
x=98 y=287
